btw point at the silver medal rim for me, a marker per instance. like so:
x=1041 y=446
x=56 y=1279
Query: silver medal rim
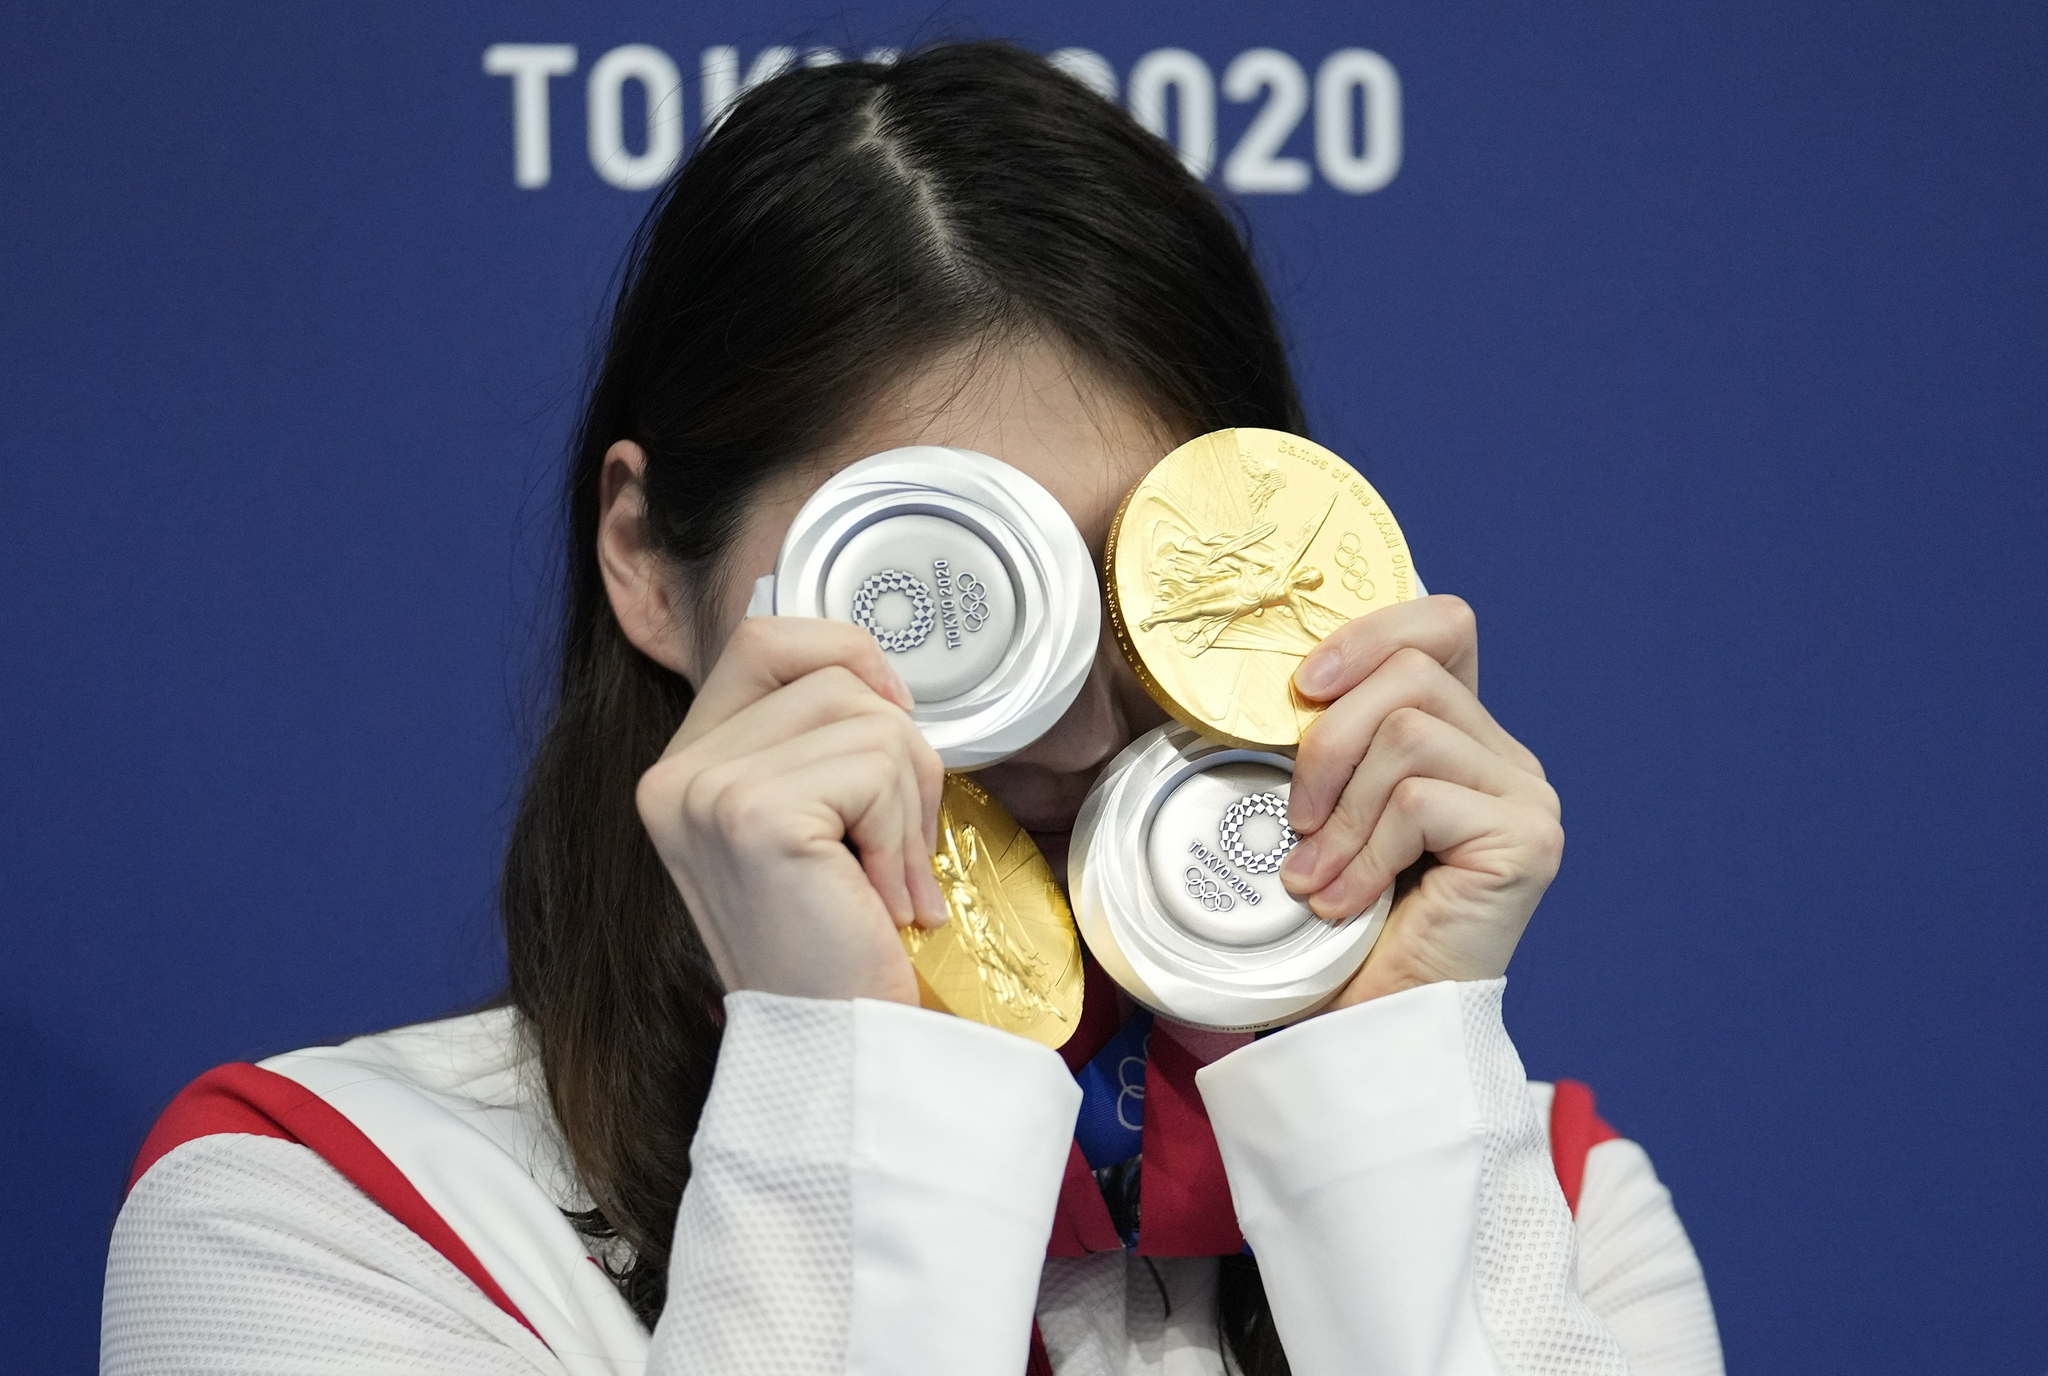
x=1059 y=599
x=1153 y=958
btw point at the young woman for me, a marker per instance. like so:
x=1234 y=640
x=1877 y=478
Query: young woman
x=710 y=1130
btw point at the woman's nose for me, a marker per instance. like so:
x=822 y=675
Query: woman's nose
x=1090 y=732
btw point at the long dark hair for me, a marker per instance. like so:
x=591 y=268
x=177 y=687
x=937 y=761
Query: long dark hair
x=842 y=224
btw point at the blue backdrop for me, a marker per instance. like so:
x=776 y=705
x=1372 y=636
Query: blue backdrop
x=1700 y=347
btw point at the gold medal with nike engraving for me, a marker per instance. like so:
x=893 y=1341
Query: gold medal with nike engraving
x=1008 y=955
x=1226 y=565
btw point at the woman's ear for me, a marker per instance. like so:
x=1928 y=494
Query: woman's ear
x=639 y=581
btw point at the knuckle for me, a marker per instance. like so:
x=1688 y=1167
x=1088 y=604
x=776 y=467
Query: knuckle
x=1346 y=825
x=1372 y=869
x=1413 y=664
x=836 y=680
x=664 y=776
x=862 y=755
x=700 y=797
x=894 y=730
x=854 y=647
x=866 y=650
x=1341 y=810
x=1408 y=794
x=878 y=763
x=931 y=770
x=651 y=794
x=1458 y=612
x=887 y=715
x=868 y=702
x=1405 y=729
x=871 y=733
x=726 y=811
x=665 y=784
x=1309 y=758
x=752 y=637
x=743 y=810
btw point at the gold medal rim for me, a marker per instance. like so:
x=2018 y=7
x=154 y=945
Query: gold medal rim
x=1113 y=593
x=1028 y=881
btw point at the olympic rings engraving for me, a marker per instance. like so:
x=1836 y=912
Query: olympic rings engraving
x=1207 y=892
x=1230 y=835
x=879 y=585
x=973 y=600
x=1351 y=559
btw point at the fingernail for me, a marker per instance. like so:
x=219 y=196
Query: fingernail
x=935 y=901
x=1301 y=861
x=1317 y=674
x=1329 y=905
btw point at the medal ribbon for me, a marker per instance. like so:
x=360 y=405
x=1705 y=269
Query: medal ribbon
x=1143 y=1138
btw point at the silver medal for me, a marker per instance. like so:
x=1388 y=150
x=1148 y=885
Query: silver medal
x=971 y=577
x=1174 y=876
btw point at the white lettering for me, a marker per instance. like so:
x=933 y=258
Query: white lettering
x=663 y=84
x=1255 y=164
x=1191 y=126
x=721 y=71
x=1354 y=99
x=1088 y=67
x=1369 y=161
x=530 y=65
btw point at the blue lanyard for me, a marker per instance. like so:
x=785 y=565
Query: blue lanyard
x=1111 y=1127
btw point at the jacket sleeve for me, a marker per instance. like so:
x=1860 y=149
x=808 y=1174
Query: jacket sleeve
x=242 y=1253
x=872 y=1189
x=1391 y=1175
x=1637 y=1269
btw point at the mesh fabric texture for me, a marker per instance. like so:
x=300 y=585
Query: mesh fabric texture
x=248 y=1254
x=761 y=1280
x=1528 y=1302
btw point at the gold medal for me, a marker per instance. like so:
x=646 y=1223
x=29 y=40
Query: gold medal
x=1233 y=557
x=1008 y=955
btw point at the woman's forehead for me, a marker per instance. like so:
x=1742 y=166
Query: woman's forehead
x=1082 y=437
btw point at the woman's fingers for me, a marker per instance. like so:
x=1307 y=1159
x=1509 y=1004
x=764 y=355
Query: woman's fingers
x=876 y=813
x=867 y=779
x=799 y=913
x=794 y=810
x=767 y=653
x=798 y=710
x=823 y=696
x=1489 y=844
x=920 y=788
x=1410 y=743
x=1336 y=742
x=1441 y=626
x=1405 y=763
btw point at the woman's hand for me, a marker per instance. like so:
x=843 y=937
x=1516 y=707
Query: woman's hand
x=799 y=746
x=1405 y=763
